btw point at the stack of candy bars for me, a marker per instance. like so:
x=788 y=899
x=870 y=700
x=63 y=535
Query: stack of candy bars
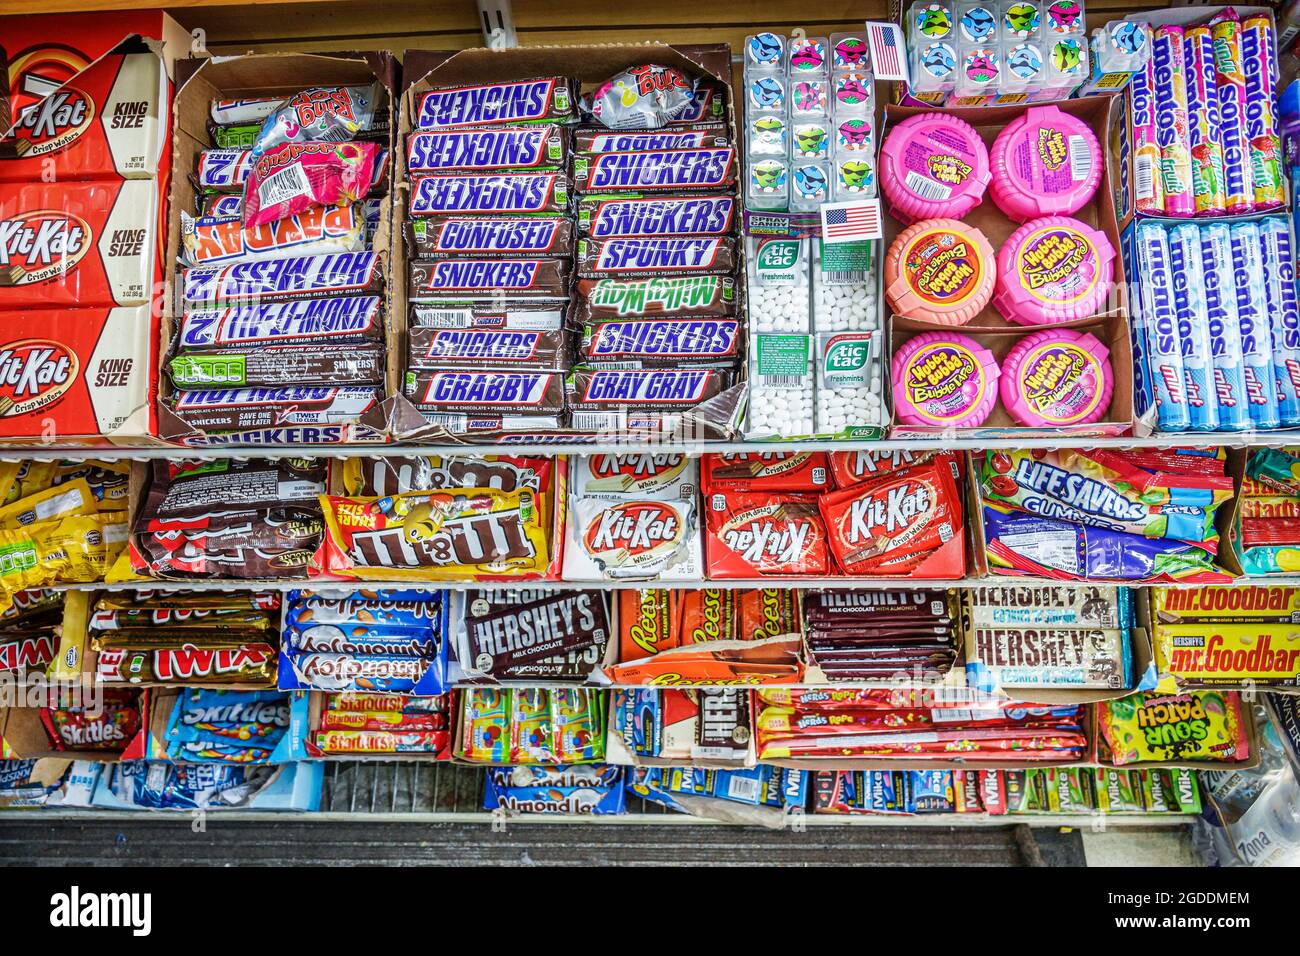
x=247 y=518
x=998 y=51
x=871 y=636
x=1099 y=790
x=226 y=726
x=392 y=642
x=29 y=631
x=531 y=726
x=1226 y=637
x=1098 y=514
x=374 y=724
x=106 y=728
x=869 y=724
x=708 y=724
x=489 y=234
x=282 y=336
x=890 y=792
x=891 y=513
x=532 y=634
x=595 y=789
x=1156 y=727
x=1027 y=638
x=775 y=788
x=62 y=522
x=1267 y=520
x=179 y=639
x=83 y=173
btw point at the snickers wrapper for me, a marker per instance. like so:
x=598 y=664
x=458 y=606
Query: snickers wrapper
x=466 y=194
x=664 y=389
x=517 y=349
x=84 y=244
x=512 y=236
x=316 y=231
x=655 y=170
x=237 y=409
x=601 y=139
x=309 y=364
x=656 y=257
x=320 y=321
x=649 y=215
x=558 y=624
x=241 y=482
x=546 y=278
x=488 y=392
x=452 y=314
x=109 y=121
x=541 y=146
x=647 y=342
x=497 y=104
x=603 y=299
x=282 y=279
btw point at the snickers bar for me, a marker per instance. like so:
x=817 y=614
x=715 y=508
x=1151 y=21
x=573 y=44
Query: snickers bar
x=485 y=391
x=705 y=168
x=236 y=409
x=495 y=104
x=667 y=297
x=544 y=146
x=500 y=236
x=482 y=277
x=653 y=257
x=308 y=364
x=703 y=215
x=460 y=194
x=660 y=340
x=452 y=314
x=275 y=280
x=557 y=624
x=599 y=139
x=667 y=389
x=467 y=348
x=323 y=321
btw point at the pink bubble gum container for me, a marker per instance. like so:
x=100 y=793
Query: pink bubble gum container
x=1045 y=163
x=1053 y=270
x=933 y=166
x=1058 y=377
x=940 y=270
x=944 y=378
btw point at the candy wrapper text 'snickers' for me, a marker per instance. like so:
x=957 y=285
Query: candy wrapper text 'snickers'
x=495 y=104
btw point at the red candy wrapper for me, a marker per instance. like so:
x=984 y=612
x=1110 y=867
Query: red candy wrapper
x=753 y=533
x=293 y=177
x=110 y=730
x=767 y=471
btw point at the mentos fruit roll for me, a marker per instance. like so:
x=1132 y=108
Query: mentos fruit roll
x=1164 y=351
x=1149 y=186
x=1256 y=330
x=1259 y=63
x=1230 y=82
x=1276 y=251
x=1193 y=325
x=1225 y=332
x=496 y=104
x=1206 y=136
x=1171 y=121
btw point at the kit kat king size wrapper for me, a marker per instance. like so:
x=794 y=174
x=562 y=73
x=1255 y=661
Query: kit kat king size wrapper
x=629 y=537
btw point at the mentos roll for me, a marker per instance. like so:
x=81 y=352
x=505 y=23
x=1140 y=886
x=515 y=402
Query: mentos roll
x=1193 y=326
x=1256 y=334
x=1164 y=351
x=1171 y=121
x=1203 y=123
x=1148 y=186
x=1279 y=285
x=1225 y=333
x=1230 y=83
x=1263 y=144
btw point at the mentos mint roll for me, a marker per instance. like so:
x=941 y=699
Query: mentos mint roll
x=441 y=238
x=658 y=169
x=1206 y=136
x=1193 y=326
x=1276 y=251
x=1164 y=351
x=1259 y=63
x=495 y=104
x=460 y=194
x=1230 y=83
x=1225 y=332
x=604 y=217
x=544 y=146
x=350 y=319
x=1256 y=331
x=1171 y=121
x=645 y=257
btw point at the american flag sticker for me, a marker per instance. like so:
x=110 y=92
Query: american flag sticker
x=851 y=221
x=888 y=51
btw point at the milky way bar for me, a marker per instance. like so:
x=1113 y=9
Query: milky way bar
x=559 y=623
x=533 y=277
x=706 y=168
x=468 y=348
x=459 y=193
x=273 y=280
x=494 y=104
x=457 y=314
x=602 y=299
x=643 y=258
x=598 y=139
x=308 y=364
x=660 y=340
x=349 y=319
x=603 y=217
x=499 y=236
x=544 y=146
x=486 y=391
x=316 y=230
x=667 y=389
x=234 y=409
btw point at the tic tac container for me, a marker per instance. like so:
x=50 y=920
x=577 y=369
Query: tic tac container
x=933 y=166
x=1044 y=163
x=1225 y=331
x=1256 y=330
x=1171 y=120
x=1119 y=50
x=1193 y=325
x=1205 y=135
x=1160 y=322
x=1277 y=253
